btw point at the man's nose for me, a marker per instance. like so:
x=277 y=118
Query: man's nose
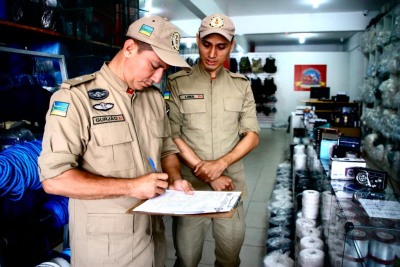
x=213 y=52
x=157 y=75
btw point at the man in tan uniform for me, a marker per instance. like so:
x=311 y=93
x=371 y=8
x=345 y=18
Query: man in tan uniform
x=102 y=130
x=213 y=122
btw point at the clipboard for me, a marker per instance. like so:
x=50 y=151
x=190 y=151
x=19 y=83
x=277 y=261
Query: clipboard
x=160 y=205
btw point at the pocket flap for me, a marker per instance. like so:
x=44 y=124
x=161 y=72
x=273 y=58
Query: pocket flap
x=110 y=224
x=193 y=106
x=107 y=135
x=233 y=104
x=157 y=127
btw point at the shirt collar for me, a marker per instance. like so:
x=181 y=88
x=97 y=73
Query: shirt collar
x=113 y=79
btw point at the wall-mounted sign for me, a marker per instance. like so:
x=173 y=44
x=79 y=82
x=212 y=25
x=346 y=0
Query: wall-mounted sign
x=306 y=76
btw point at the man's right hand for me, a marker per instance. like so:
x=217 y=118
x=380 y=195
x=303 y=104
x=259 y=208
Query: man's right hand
x=149 y=185
x=223 y=183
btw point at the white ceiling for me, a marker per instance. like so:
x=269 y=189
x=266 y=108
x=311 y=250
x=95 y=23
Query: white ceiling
x=186 y=14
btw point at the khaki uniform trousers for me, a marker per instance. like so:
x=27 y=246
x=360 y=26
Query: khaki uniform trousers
x=228 y=233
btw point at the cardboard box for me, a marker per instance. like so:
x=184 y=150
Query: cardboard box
x=340 y=168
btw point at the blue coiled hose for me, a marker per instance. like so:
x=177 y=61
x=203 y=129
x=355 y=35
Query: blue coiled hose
x=19 y=169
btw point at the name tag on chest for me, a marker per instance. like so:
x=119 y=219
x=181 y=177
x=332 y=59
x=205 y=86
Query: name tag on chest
x=191 y=96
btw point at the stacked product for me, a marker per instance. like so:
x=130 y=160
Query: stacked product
x=279 y=243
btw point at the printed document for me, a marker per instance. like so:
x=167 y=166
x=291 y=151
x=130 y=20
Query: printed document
x=201 y=202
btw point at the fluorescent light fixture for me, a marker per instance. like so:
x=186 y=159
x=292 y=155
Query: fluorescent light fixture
x=302 y=35
x=315 y=3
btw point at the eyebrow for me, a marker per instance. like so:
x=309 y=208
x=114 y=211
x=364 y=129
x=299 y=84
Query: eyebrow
x=222 y=43
x=160 y=64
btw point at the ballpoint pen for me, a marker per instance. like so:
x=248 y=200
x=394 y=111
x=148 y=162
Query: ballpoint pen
x=153 y=166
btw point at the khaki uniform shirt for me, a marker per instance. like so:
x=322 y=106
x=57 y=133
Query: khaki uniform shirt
x=95 y=125
x=210 y=116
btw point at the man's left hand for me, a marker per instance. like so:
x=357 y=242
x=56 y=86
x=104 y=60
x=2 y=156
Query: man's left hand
x=182 y=185
x=209 y=170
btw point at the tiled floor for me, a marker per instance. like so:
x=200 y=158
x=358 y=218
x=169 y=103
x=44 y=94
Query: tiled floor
x=260 y=166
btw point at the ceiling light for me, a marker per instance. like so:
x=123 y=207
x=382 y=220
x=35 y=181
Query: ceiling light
x=302 y=35
x=315 y=3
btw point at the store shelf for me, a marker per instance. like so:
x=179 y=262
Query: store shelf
x=17 y=33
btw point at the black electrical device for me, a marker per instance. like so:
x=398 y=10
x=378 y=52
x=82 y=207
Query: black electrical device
x=370 y=178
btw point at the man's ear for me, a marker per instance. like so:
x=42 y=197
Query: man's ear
x=232 y=45
x=130 y=48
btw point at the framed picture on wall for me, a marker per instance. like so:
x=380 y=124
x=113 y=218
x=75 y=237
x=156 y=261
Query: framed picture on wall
x=307 y=76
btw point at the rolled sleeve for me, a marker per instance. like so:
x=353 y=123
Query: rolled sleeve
x=248 y=118
x=54 y=164
x=62 y=140
x=175 y=116
x=168 y=146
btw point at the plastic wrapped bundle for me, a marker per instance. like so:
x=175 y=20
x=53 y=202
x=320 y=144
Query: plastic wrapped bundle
x=366 y=88
x=280 y=220
x=311 y=258
x=396 y=27
x=364 y=42
x=279 y=244
x=383 y=38
x=387 y=122
x=389 y=90
x=311 y=242
x=303 y=225
x=396 y=100
x=279 y=231
x=278 y=259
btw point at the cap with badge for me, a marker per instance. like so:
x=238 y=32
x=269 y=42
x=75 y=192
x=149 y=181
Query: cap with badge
x=163 y=37
x=217 y=23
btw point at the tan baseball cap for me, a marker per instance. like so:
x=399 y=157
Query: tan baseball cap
x=163 y=37
x=217 y=23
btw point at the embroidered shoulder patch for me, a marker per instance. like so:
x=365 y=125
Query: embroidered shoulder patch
x=59 y=108
x=167 y=95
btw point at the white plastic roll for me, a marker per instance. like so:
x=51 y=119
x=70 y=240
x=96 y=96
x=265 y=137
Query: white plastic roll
x=312 y=232
x=311 y=258
x=311 y=196
x=304 y=224
x=299 y=149
x=300 y=161
x=311 y=242
x=278 y=259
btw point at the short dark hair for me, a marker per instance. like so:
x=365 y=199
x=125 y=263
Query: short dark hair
x=141 y=45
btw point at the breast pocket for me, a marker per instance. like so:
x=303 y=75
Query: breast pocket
x=113 y=147
x=194 y=114
x=232 y=108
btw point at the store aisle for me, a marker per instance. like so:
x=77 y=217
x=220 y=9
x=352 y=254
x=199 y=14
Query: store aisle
x=261 y=165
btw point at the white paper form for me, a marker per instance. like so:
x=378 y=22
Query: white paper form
x=177 y=202
x=381 y=208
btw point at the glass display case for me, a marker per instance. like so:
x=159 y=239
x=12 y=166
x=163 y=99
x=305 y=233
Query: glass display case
x=362 y=227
